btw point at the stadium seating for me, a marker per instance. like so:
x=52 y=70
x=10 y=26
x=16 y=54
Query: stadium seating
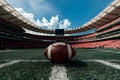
x=110 y=29
x=106 y=38
x=109 y=24
x=100 y=44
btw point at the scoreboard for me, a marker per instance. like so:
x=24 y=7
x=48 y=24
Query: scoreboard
x=59 y=32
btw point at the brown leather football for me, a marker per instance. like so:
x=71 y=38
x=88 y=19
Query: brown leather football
x=59 y=52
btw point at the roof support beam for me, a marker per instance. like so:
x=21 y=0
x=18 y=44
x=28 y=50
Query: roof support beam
x=7 y=13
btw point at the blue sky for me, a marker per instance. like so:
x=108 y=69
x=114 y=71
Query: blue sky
x=65 y=14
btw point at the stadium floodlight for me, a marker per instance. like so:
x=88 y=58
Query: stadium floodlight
x=89 y=23
x=115 y=2
x=0 y=4
x=93 y=20
x=3 y=2
x=111 y=8
x=118 y=4
x=103 y=14
x=106 y=9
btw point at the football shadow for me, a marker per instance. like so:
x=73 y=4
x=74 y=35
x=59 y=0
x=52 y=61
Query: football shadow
x=76 y=63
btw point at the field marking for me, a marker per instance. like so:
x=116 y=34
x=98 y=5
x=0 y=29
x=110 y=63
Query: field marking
x=35 y=60
x=109 y=51
x=6 y=50
x=9 y=63
x=28 y=60
x=100 y=59
x=58 y=72
x=105 y=62
x=113 y=65
x=45 y=60
x=60 y=69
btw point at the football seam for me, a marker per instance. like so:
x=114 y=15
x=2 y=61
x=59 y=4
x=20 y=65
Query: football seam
x=49 y=52
x=69 y=51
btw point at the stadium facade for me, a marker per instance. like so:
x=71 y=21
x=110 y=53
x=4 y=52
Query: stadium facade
x=106 y=35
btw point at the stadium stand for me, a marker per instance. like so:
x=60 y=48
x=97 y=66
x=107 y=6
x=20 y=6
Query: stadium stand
x=106 y=35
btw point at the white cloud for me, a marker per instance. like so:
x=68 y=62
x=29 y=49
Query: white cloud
x=29 y=16
x=53 y=23
x=64 y=24
x=38 y=7
x=42 y=6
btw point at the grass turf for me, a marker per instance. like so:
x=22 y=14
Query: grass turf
x=76 y=69
x=37 y=54
x=23 y=54
x=1 y=62
x=85 y=54
x=26 y=71
x=79 y=70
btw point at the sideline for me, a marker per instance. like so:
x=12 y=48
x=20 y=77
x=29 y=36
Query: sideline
x=6 y=50
x=113 y=65
x=9 y=63
x=109 y=51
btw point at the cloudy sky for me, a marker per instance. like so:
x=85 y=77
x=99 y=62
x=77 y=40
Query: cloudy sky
x=63 y=14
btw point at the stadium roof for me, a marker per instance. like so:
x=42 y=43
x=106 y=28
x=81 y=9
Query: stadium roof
x=8 y=13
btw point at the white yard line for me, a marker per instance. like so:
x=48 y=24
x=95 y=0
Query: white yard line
x=113 y=65
x=9 y=63
x=109 y=51
x=100 y=59
x=35 y=60
x=6 y=50
x=28 y=60
x=105 y=62
x=112 y=60
x=58 y=72
x=45 y=60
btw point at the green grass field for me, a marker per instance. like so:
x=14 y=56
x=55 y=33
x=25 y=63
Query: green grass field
x=88 y=64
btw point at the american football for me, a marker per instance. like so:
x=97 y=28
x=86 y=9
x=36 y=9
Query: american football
x=59 y=52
